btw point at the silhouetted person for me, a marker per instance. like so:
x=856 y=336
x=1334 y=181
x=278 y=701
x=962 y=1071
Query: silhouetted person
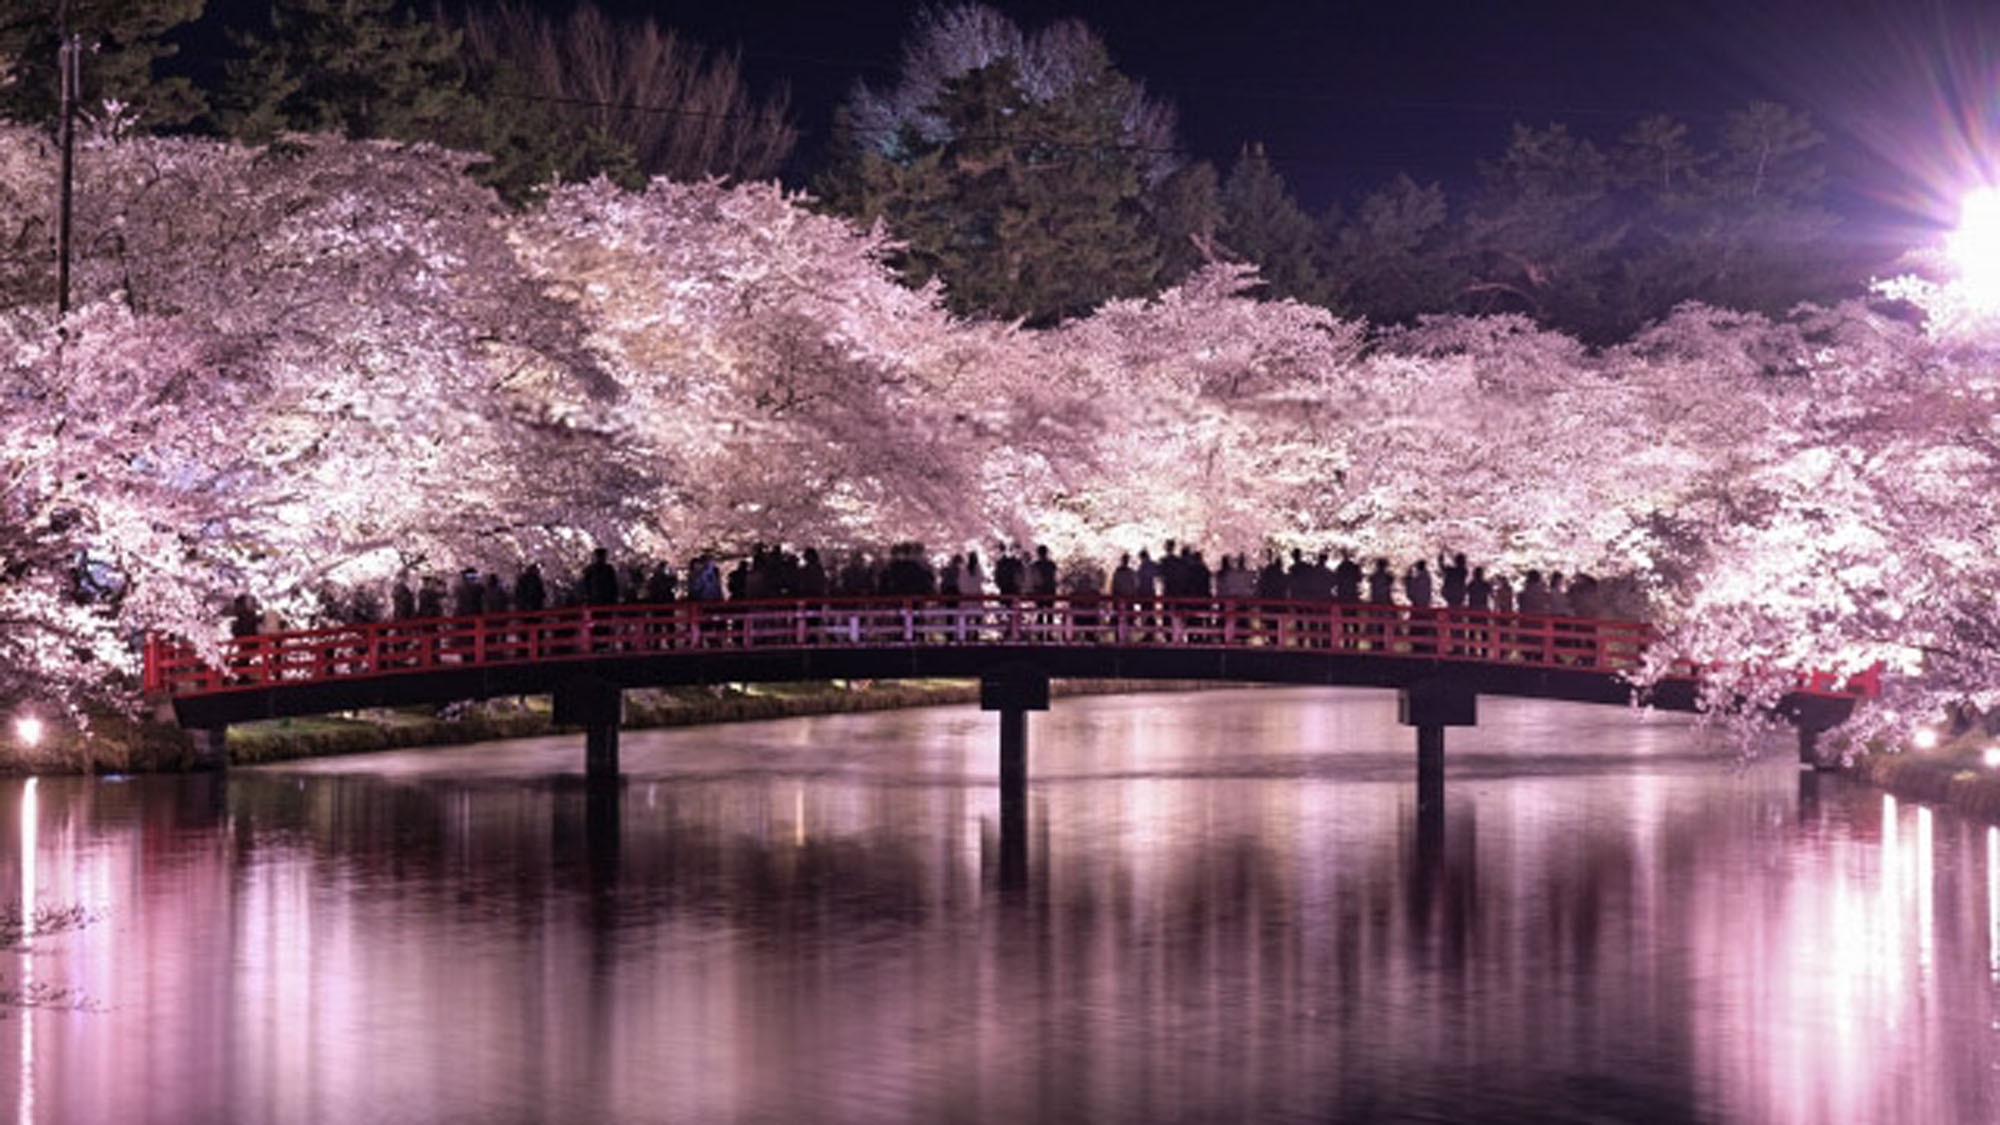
x=1417 y=585
x=1124 y=580
x=1534 y=599
x=948 y=579
x=661 y=585
x=1007 y=573
x=1347 y=579
x=1173 y=577
x=359 y=606
x=1146 y=576
x=812 y=580
x=857 y=576
x=243 y=617
x=1479 y=597
x=468 y=597
x=430 y=597
x=1044 y=571
x=1197 y=581
x=1478 y=591
x=1271 y=585
x=599 y=581
x=1452 y=578
x=1381 y=584
x=704 y=580
x=529 y=592
x=494 y=598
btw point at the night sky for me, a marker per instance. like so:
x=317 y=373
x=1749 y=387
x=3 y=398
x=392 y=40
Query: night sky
x=1345 y=94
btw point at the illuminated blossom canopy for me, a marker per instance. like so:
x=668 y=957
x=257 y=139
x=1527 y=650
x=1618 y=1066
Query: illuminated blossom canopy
x=285 y=368
x=324 y=363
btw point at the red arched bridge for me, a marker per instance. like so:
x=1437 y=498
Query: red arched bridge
x=1439 y=659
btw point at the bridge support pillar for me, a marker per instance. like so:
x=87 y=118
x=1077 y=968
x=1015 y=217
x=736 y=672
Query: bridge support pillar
x=1430 y=706
x=211 y=748
x=600 y=751
x=1430 y=769
x=1013 y=692
x=598 y=706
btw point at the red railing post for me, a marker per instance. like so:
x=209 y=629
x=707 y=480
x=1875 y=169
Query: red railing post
x=149 y=666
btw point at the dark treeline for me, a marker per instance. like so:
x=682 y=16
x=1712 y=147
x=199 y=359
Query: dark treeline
x=1036 y=186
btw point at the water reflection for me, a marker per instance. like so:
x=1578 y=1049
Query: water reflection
x=1229 y=908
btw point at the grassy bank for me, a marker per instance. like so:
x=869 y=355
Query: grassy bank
x=1954 y=776
x=116 y=745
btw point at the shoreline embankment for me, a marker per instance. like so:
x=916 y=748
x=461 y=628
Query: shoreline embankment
x=117 y=745
x=1955 y=778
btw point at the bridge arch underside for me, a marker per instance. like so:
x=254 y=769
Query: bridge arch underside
x=673 y=669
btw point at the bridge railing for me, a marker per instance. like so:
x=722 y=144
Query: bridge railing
x=597 y=632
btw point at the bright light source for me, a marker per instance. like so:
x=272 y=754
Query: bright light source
x=1926 y=738
x=1991 y=757
x=28 y=731
x=1975 y=246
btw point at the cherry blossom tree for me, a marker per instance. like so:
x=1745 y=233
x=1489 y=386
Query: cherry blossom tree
x=290 y=366
x=777 y=377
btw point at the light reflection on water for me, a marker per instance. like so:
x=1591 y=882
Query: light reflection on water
x=1232 y=911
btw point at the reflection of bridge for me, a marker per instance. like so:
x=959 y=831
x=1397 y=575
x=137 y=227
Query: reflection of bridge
x=1440 y=660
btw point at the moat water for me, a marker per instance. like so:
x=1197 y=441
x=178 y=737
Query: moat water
x=1232 y=910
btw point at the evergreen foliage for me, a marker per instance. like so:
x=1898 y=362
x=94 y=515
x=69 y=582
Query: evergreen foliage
x=1030 y=209
x=1024 y=172
x=126 y=43
x=372 y=70
x=1264 y=224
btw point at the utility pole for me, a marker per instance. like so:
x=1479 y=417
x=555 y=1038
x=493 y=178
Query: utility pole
x=69 y=58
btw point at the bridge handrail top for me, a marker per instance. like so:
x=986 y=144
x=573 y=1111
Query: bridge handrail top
x=1303 y=607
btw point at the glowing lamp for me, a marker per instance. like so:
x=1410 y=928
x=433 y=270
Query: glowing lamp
x=1991 y=757
x=1975 y=246
x=1926 y=738
x=28 y=731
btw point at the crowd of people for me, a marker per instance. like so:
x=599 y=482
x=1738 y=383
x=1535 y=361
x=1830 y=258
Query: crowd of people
x=909 y=570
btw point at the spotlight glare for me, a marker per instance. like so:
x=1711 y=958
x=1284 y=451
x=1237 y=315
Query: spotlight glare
x=28 y=731
x=1926 y=738
x=1991 y=757
x=1975 y=245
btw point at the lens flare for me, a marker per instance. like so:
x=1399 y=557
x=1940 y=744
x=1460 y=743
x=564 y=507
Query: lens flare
x=28 y=731
x=1975 y=246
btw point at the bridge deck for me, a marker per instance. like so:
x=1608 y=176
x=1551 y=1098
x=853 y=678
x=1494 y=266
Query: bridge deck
x=441 y=659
